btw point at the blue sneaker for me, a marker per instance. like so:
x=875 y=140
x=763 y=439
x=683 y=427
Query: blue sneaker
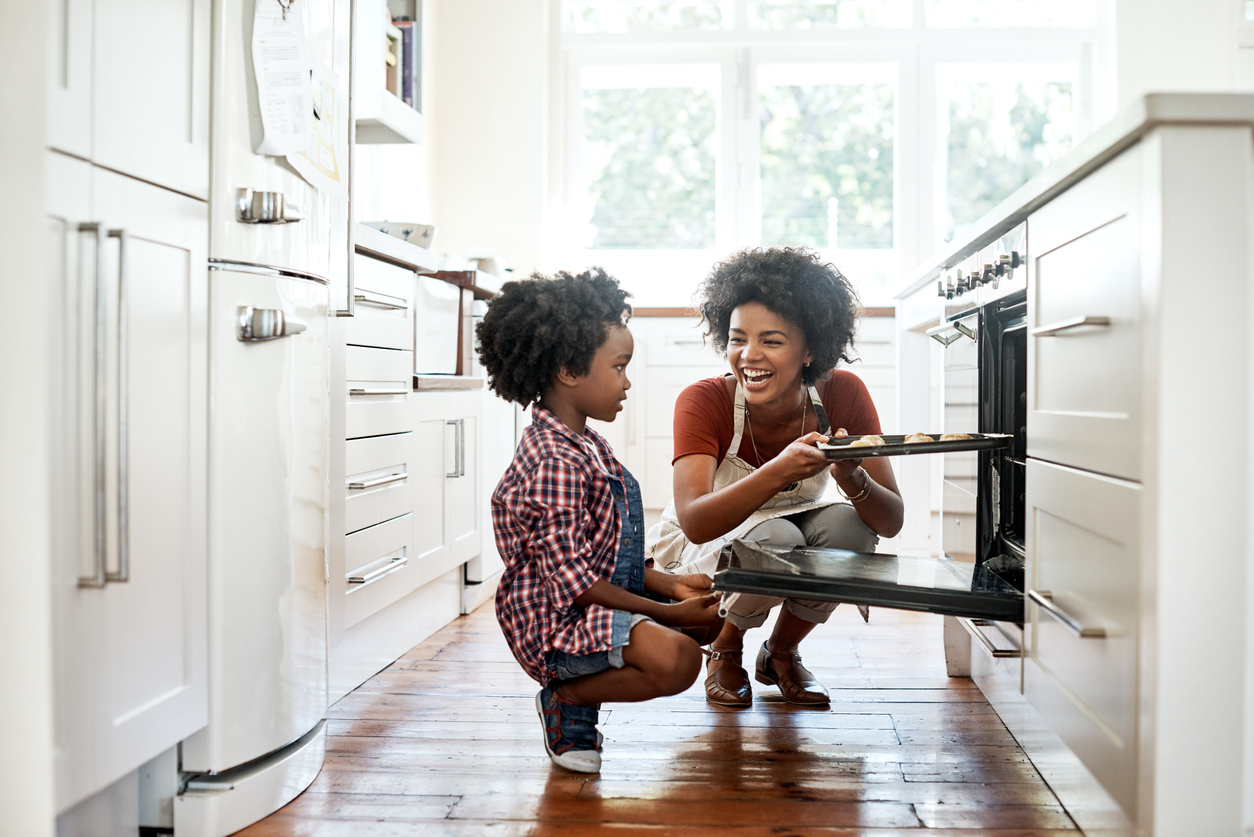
x=571 y=737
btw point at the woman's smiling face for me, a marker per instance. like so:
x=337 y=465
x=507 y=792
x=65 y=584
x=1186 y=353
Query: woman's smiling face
x=766 y=352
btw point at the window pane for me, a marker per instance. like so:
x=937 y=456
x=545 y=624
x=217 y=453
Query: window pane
x=1249 y=9
x=1006 y=124
x=828 y=14
x=943 y=14
x=618 y=16
x=827 y=160
x=649 y=157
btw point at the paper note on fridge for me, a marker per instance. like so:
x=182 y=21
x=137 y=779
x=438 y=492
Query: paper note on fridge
x=281 y=65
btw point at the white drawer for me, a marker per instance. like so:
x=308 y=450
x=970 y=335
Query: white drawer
x=662 y=389
x=377 y=484
x=674 y=341
x=379 y=382
x=383 y=296
x=1082 y=543
x=382 y=556
x=1084 y=379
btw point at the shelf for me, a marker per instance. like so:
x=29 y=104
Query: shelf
x=484 y=285
x=427 y=383
x=394 y=122
x=389 y=248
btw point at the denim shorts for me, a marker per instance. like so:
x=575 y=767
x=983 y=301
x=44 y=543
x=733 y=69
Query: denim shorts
x=570 y=666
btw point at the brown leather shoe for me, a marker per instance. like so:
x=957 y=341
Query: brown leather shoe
x=796 y=683
x=729 y=684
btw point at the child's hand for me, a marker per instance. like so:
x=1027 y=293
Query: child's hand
x=697 y=612
x=691 y=585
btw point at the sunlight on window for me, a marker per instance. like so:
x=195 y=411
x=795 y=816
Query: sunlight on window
x=649 y=156
x=1005 y=124
x=828 y=14
x=1249 y=9
x=945 y=14
x=619 y=16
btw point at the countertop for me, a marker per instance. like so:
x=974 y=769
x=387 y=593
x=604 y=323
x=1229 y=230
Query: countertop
x=1125 y=129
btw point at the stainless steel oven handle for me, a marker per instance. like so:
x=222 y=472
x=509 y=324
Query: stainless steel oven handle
x=973 y=627
x=1067 y=325
x=123 y=575
x=357 y=486
x=99 y=406
x=395 y=564
x=1045 y=600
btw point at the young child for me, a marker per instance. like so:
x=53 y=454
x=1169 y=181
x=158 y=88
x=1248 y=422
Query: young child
x=572 y=601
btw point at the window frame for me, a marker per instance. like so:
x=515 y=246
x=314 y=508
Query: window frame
x=916 y=51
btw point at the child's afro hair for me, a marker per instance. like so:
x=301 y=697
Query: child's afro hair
x=540 y=325
x=794 y=284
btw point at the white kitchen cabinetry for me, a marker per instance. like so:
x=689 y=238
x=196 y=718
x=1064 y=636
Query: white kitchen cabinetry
x=447 y=513
x=129 y=88
x=1136 y=700
x=130 y=279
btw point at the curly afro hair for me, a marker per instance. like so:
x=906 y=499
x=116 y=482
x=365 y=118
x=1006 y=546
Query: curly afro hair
x=794 y=284
x=540 y=325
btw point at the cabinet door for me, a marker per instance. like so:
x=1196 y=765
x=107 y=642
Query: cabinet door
x=150 y=81
x=154 y=623
x=69 y=76
x=461 y=498
x=430 y=547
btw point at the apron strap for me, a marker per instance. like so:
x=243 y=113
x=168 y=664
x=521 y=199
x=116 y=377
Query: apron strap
x=738 y=419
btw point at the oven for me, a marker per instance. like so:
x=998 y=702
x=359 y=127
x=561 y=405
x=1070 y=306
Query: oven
x=980 y=575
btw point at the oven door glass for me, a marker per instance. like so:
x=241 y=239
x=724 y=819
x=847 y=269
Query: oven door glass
x=901 y=582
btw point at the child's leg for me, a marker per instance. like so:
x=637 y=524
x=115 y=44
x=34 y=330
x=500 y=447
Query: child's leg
x=657 y=662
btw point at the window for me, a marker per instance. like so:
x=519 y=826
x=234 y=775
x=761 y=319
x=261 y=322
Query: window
x=873 y=131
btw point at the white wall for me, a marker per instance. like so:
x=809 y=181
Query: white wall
x=1174 y=45
x=26 y=800
x=487 y=128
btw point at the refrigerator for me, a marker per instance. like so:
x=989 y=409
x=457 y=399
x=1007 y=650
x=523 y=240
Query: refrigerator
x=278 y=262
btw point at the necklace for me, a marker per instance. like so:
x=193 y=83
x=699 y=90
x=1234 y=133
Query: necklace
x=749 y=427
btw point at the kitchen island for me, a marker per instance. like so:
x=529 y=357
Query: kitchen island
x=1129 y=682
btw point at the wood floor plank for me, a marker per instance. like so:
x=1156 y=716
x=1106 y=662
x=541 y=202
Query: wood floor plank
x=446 y=742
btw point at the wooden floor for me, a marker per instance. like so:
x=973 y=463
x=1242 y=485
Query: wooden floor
x=446 y=742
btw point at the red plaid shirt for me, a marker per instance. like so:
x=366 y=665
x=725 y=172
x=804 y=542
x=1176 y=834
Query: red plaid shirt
x=557 y=529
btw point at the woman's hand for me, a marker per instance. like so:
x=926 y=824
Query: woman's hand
x=844 y=469
x=799 y=461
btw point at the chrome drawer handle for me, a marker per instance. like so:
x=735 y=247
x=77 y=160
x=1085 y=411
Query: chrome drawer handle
x=973 y=627
x=381 y=300
x=395 y=564
x=960 y=329
x=260 y=324
x=1067 y=325
x=378 y=481
x=355 y=392
x=1045 y=600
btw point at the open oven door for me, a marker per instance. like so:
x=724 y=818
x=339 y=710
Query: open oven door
x=902 y=582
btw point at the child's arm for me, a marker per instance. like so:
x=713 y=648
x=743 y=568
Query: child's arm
x=677 y=587
x=697 y=612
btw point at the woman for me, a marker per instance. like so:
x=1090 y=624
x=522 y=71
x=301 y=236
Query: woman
x=746 y=463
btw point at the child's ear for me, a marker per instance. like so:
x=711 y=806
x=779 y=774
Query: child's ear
x=566 y=378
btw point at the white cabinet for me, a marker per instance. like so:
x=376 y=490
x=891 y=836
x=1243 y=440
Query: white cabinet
x=129 y=88
x=447 y=504
x=131 y=283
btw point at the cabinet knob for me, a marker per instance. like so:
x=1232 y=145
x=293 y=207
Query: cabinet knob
x=258 y=324
x=257 y=207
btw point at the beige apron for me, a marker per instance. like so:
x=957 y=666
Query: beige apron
x=673 y=552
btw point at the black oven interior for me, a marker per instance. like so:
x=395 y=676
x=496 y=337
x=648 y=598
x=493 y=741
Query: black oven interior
x=986 y=389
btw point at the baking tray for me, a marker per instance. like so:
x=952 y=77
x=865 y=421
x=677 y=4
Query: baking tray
x=896 y=445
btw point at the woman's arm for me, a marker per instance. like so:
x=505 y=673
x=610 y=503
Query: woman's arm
x=872 y=488
x=705 y=514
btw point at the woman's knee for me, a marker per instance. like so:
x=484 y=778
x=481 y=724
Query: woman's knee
x=837 y=527
x=776 y=530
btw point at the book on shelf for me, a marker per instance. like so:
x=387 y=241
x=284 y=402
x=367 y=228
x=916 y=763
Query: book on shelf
x=410 y=62
x=394 y=74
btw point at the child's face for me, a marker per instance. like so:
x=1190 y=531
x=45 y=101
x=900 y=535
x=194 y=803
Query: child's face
x=600 y=394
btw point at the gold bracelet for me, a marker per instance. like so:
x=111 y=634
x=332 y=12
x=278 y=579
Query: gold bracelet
x=861 y=495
